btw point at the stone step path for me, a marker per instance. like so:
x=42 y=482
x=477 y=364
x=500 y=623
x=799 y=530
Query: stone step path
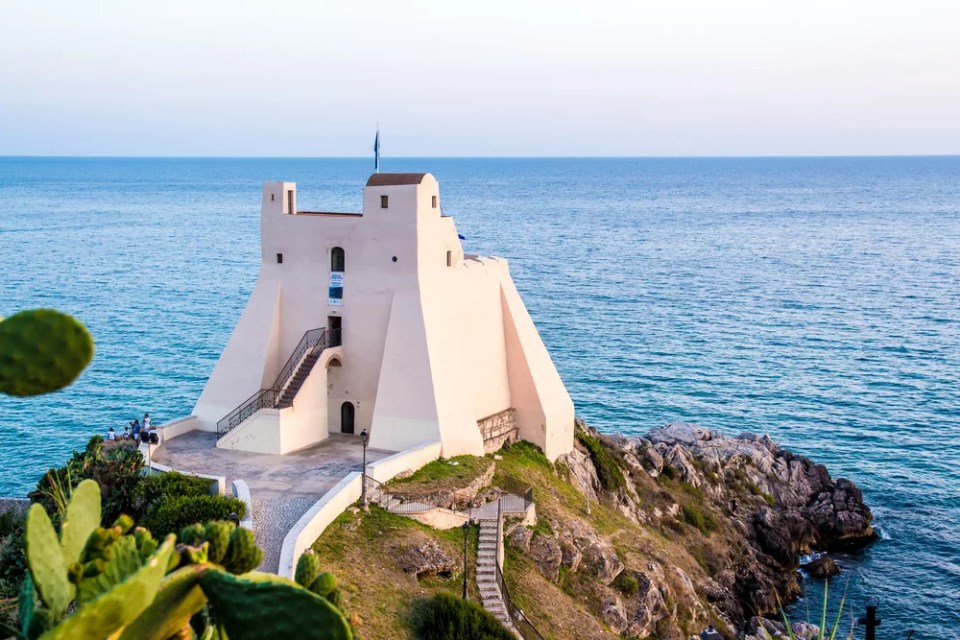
x=487 y=561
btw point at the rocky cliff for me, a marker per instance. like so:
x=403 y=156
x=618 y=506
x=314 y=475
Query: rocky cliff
x=743 y=508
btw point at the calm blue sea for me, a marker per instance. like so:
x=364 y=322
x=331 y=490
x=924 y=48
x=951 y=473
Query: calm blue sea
x=817 y=300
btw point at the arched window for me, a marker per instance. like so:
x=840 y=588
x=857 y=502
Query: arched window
x=337 y=260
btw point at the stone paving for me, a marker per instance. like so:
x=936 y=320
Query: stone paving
x=282 y=488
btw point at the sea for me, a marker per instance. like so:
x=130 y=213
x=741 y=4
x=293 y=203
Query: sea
x=813 y=299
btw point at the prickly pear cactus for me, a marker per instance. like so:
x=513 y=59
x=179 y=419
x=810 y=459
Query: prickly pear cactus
x=119 y=582
x=242 y=553
x=308 y=568
x=41 y=350
x=261 y=606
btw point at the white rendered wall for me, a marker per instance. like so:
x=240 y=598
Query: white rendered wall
x=428 y=349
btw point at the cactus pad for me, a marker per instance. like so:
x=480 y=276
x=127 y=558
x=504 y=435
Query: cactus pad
x=45 y=559
x=217 y=534
x=41 y=350
x=308 y=568
x=324 y=584
x=119 y=606
x=243 y=554
x=82 y=519
x=264 y=607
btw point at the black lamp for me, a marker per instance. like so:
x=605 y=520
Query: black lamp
x=364 y=438
x=466 y=528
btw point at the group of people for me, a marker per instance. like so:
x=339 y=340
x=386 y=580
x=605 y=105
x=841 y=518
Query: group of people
x=136 y=431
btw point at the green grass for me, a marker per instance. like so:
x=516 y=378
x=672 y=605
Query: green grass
x=362 y=550
x=441 y=474
x=608 y=469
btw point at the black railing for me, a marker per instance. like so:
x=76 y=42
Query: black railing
x=269 y=398
x=523 y=626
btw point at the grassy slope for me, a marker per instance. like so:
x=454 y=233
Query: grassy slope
x=362 y=551
x=441 y=474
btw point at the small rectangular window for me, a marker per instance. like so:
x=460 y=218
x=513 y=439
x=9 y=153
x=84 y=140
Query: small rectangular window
x=383 y=202
x=433 y=201
x=449 y=257
x=279 y=258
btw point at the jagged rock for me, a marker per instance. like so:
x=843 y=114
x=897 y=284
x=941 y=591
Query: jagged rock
x=612 y=612
x=602 y=560
x=520 y=538
x=428 y=558
x=583 y=475
x=822 y=567
x=777 y=629
x=546 y=555
x=646 y=605
x=571 y=556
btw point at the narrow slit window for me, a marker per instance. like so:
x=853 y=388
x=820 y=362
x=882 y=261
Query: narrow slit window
x=449 y=258
x=338 y=260
x=383 y=202
x=279 y=258
x=433 y=201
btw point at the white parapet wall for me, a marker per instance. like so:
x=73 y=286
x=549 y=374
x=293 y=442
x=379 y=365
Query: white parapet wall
x=335 y=501
x=316 y=520
x=218 y=484
x=242 y=491
x=176 y=428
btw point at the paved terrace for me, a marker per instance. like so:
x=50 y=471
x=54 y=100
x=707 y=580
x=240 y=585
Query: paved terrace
x=282 y=488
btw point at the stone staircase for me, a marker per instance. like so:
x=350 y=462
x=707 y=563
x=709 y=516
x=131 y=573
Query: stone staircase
x=488 y=557
x=289 y=391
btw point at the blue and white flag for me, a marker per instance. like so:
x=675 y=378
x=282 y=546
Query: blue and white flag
x=376 y=152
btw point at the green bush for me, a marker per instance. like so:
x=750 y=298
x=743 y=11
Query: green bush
x=157 y=488
x=447 y=617
x=627 y=584
x=608 y=469
x=117 y=470
x=173 y=514
x=700 y=518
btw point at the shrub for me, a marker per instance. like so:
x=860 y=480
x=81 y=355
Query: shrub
x=627 y=584
x=700 y=518
x=157 y=488
x=447 y=617
x=173 y=514
x=608 y=470
x=116 y=470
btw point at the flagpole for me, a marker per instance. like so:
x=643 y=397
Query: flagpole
x=376 y=150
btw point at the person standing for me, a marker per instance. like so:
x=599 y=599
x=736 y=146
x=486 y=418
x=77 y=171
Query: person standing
x=146 y=422
x=136 y=430
x=111 y=434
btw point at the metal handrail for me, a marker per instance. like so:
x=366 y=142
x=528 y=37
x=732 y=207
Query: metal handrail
x=523 y=625
x=269 y=398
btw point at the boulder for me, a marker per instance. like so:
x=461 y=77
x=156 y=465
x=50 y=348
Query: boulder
x=428 y=558
x=822 y=567
x=602 y=560
x=546 y=555
x=612 y=612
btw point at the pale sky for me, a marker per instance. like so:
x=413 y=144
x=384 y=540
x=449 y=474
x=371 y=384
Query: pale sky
x=481 y=78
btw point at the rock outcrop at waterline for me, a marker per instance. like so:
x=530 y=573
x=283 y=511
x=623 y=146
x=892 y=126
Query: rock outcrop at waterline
x=757 y=506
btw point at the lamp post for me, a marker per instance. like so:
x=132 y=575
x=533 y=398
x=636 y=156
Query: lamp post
x=871 y=621
x=364 y=438
x=466 y=529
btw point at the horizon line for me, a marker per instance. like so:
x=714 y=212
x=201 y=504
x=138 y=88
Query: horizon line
x=478 y=157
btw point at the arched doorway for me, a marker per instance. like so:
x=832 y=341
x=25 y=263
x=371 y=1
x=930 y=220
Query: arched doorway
x=346 y=417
